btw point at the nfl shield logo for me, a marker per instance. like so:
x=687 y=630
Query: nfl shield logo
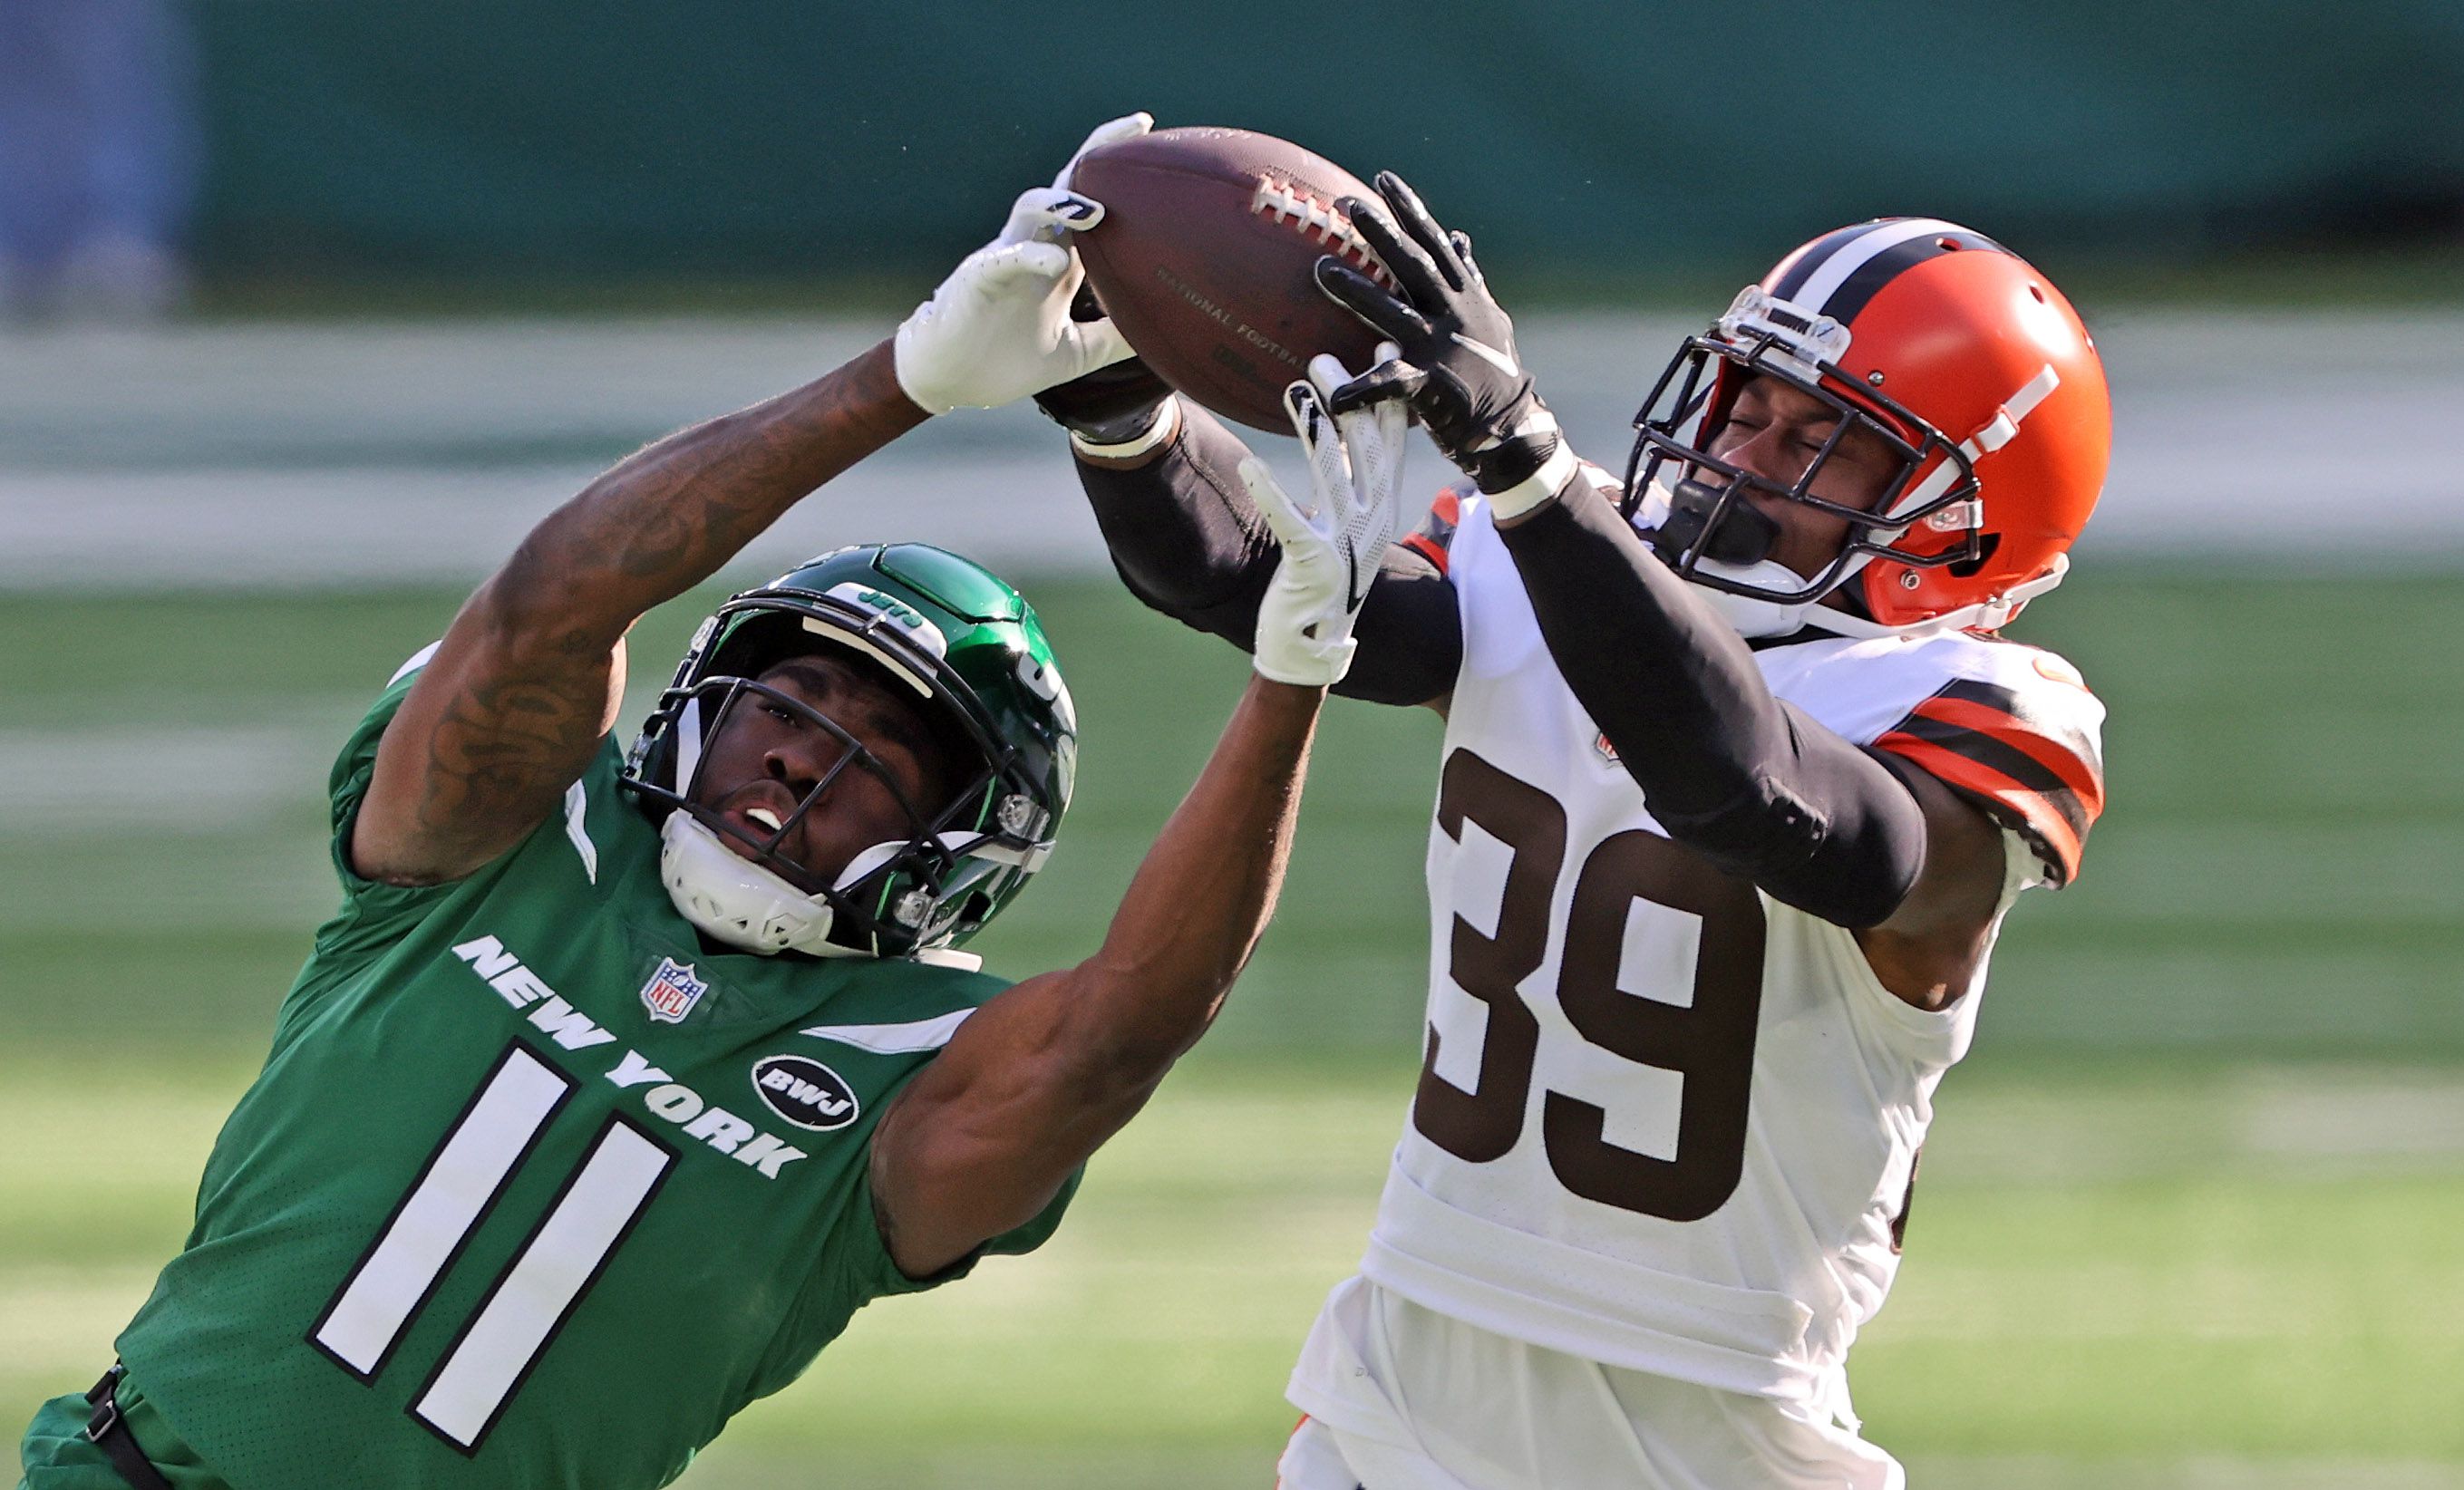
x=672 y=991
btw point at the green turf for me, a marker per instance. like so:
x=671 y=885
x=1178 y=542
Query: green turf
x=2274 y=875
x=2149 y=1265
x=2139 y=1258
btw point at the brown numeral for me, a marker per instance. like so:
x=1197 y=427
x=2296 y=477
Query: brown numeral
x=1483 y=1123
x=1710 y=1041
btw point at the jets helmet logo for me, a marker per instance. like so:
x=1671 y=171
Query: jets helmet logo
x=911 y=622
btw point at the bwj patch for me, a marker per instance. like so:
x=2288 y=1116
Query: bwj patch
x=672 y=991
x=804 y=1092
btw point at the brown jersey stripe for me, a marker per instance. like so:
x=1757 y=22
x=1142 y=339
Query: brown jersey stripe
x=1949 y=717
x=1436 y=534
x=2035 y=815
x=1427 y=548
x=2064 y=734
x=2022 y=773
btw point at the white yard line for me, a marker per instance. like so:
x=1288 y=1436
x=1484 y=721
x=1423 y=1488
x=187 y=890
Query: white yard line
x=355 y=453
x=83 y=781
x=359 y=527
x=2275 y=1120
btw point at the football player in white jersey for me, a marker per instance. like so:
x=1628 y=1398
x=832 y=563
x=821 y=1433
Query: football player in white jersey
x=1739 y=780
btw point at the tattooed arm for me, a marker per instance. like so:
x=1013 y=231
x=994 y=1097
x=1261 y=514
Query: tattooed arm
x=527 y=680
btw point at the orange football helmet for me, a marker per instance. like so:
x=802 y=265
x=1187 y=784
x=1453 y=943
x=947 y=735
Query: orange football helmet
x=1967 y=361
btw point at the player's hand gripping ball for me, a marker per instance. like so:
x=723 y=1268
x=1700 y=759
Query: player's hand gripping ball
x=1459 y=368
x=1000 y=327
x=1205 y=259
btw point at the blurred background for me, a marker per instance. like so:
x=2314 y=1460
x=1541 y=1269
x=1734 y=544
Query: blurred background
x=308 y=311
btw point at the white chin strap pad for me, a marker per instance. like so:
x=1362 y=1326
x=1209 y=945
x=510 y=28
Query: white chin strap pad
x=1755 y=618
x=1751 y=617
x=736 y=901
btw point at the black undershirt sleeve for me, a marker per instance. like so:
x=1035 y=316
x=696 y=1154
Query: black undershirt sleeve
x=1746 y=781
x=1187 y=541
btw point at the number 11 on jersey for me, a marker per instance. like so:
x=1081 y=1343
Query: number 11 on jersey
x=540 y=1287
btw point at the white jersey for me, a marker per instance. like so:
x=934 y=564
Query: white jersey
x=1665 y=1122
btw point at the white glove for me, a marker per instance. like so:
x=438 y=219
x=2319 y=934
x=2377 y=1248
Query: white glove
x=999 y=328
x=1331 y=551
x=1128 y=126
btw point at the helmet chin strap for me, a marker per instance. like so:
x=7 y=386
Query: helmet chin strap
x=735 y=901
x=1753 y=617
x=1682 y=515
x=744 y=905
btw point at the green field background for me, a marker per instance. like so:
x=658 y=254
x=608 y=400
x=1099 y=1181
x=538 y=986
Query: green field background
x=2190 y=1216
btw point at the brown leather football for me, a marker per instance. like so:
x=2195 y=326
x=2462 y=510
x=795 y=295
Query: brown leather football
x=1205 y=260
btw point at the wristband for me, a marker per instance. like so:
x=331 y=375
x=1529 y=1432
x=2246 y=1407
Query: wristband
x=1166 y=425
x=1544 y=485
x=1304 y=663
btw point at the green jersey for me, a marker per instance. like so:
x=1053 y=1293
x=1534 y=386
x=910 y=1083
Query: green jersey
x=536 y=1189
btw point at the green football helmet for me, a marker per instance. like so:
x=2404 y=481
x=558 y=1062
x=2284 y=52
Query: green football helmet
x=974 y=653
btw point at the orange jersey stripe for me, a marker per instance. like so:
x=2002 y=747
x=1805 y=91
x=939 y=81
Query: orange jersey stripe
x=2042 y=818
x=2011 y=731
x=1427 y=548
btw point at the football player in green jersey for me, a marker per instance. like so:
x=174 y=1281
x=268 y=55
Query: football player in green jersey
x=620 y=1079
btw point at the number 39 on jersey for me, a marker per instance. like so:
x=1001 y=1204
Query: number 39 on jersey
x=1630 y=882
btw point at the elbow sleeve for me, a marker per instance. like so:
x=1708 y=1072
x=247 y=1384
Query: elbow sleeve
x=1756 y=787
x=1832 y=832
x=1186 y=541
x=1181 y=531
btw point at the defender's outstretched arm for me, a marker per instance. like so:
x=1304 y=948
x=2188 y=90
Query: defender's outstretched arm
x=1187 y=541
x=1749 y=782
x=984 y=1137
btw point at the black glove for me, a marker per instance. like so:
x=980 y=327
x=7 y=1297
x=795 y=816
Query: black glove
x=1111 y=406
x=1459 y=369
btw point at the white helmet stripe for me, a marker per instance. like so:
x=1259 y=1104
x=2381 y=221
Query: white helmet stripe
x=1858 y=251
x=687 y=744
x=2020 y=405
x=854 y=642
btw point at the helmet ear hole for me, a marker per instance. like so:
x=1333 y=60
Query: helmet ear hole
x=1968 y=568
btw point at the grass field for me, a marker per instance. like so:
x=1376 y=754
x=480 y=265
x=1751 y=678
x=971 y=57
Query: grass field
x=2108 y=1268
x=2191 y=1216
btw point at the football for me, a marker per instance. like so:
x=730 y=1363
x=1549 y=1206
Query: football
x=1205 y=260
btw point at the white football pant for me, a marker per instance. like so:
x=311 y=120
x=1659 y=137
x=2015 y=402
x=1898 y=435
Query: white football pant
x=1401 y=1397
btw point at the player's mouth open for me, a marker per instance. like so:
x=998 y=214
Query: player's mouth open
x=753 y=824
